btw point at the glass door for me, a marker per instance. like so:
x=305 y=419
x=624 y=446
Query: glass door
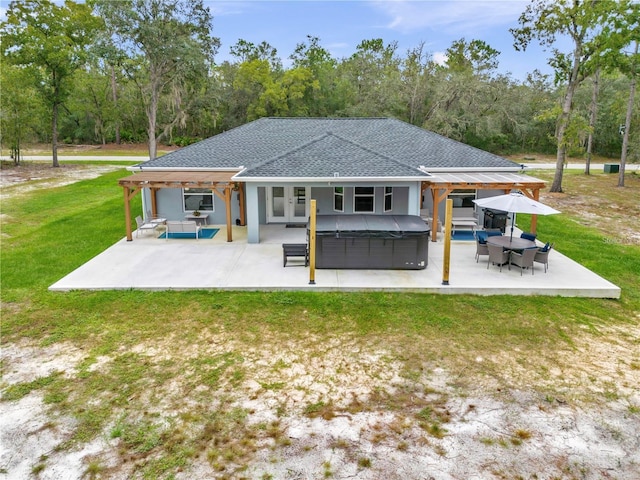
x=288 y=204
x=299 y=200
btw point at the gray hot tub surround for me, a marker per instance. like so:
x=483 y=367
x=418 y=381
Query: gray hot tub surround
x=372 y=242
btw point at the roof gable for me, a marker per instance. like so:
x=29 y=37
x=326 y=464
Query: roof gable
x=330 y=155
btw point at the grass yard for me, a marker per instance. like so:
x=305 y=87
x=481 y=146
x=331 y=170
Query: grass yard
x=130 y=384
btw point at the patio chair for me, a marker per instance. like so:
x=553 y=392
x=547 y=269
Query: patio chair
x=497 y=256
x=481 y=244
x=542 y=255
x=528 y=236
x=524 y=259
x=151 y=217
x=142 y=226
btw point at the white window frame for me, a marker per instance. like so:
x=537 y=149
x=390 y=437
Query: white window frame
x=364 y=195
x=198 y=191
x=337 y=195
x=388 y=193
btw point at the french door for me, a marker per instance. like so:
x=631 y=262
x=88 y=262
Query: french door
x=288 y=204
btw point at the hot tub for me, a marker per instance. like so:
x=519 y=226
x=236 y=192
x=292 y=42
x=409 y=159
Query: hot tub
x=399 y=242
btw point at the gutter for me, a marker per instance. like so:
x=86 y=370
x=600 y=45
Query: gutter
x=517 y=169
x=140 y=168
x=330 y=180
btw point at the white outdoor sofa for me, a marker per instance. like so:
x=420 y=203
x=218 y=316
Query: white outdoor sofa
x=186 y=226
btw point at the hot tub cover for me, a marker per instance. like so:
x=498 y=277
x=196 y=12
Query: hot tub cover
x=372 y=226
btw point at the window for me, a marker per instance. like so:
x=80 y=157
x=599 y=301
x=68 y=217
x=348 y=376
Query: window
x=364 y=199
x=463 y=198
x=198 y=199
x=388 y=199
x=338 y=199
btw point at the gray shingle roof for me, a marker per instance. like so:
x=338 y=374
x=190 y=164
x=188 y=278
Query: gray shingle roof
x=347 y=159
x=311 y=146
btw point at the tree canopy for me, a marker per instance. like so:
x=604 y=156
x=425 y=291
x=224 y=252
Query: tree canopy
x=145 y=71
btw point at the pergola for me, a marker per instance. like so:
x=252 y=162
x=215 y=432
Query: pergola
x=442 y=184
x=218 y=181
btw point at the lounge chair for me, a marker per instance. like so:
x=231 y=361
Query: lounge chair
x=151 y=217
x=142 y=226
x=542 y=255
x=524 y=259
x=497 y=255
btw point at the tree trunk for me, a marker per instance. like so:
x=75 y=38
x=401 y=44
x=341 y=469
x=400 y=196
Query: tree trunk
x=54 y=134
x=114 y=95
x=627 y=128
x=152 y=111
x=563 y=121
x=15 y=145
x=592 y=120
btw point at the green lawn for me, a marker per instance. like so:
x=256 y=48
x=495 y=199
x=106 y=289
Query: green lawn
x=48 y=233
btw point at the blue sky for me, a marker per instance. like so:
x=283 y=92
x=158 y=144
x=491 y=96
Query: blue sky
x=342 y=25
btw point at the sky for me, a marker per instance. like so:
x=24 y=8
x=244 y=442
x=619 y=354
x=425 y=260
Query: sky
x=341 y=25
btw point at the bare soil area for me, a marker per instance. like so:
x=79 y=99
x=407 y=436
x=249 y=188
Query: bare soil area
x=340 y=408
x=37 y=175
x=346 y=410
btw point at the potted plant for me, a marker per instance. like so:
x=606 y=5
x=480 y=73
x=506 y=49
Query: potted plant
x=196 y=213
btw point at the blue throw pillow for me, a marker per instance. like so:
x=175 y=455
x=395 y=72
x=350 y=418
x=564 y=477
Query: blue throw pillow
x=482 y=237
x=545 y=248
x=494 y=234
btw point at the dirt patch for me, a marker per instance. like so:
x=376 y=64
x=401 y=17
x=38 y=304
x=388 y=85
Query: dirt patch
x=347 y=410
x=610 y=209
x=17 y=180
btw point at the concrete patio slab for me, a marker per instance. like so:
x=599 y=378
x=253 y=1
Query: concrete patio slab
x=149 y=263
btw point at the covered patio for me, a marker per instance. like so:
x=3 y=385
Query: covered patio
x=218 y=181
x=442 y=184
x=154 y=264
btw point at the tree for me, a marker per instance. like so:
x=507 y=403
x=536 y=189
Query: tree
x=325 y=98
x=20 y=108
x=417 y=71
x=50 y=41
x=593 y=112
x=586 y=23
x=246 y=51
x=633 y=70
x=475 y=57
x=466 y=95
x=167 y=42
x=374 y=74
x=626 y=32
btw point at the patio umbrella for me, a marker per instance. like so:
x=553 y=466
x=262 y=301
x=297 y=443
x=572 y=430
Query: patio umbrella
x=515 y=202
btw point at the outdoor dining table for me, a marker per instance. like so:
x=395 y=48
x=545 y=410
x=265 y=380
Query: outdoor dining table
x=509 y=243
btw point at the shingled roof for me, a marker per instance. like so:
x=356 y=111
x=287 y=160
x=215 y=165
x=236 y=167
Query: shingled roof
x=347 y=159
x=320 y=147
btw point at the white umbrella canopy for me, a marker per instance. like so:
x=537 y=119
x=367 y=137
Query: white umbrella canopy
x=515 y=202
